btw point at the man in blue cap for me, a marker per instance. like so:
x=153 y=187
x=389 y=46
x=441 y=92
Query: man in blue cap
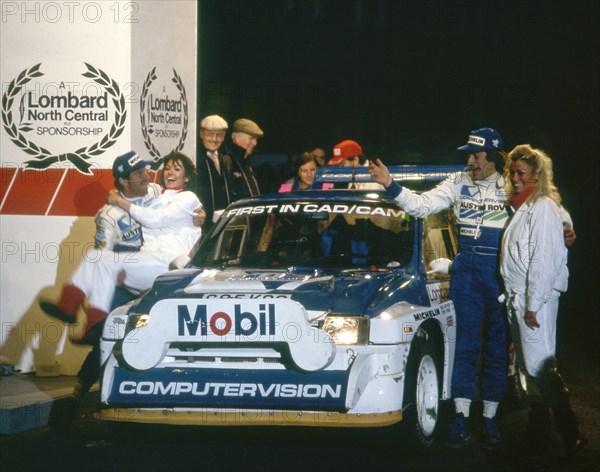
x=478 y=198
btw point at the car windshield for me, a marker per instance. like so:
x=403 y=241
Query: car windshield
x=309 y=234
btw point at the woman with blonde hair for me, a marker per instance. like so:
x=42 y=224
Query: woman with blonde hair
x=534 y=268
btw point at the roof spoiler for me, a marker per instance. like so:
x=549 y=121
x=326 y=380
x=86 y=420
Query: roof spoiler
x=404 y=173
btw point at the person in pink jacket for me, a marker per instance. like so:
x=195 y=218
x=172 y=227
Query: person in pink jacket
x=306 y=167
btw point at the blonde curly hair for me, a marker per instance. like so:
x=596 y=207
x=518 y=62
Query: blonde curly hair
x=541 y=165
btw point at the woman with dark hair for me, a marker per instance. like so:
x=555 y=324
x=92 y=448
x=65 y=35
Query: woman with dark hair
x=534 y=269
x=305 y=169
x=176 y=158
x=168 y=233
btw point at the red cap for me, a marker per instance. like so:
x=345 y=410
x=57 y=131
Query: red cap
x=344 y=150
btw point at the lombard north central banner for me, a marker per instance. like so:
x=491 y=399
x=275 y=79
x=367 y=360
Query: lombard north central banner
x=62 y=121
x=82 y=82
x=66 y=124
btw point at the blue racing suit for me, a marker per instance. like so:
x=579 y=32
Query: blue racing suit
x=481 y=215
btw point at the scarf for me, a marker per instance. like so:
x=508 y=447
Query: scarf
x=177 y=189
x=517 y=199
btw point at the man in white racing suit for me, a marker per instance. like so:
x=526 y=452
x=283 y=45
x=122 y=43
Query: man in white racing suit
x=115 y=228
x=478 y=197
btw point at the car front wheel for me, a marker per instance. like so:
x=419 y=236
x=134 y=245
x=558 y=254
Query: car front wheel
x=422 y=392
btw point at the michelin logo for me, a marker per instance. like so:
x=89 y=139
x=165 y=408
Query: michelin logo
x=236 y=390
x=476 y=140
x=426 y=314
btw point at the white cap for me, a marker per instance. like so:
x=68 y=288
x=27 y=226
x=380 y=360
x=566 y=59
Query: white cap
x=213 y=123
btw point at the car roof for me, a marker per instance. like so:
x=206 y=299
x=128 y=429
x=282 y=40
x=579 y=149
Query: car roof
x=417 y=177
x=403 y=173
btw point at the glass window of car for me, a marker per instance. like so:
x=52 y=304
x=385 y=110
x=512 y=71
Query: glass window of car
x=297 y=235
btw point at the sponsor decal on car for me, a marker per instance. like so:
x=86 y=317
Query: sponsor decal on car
x=244 y=323
x=438 y=292
x=225 y=388
x=427 y=314
x=318 y=208
x=248 y=322
x=242 y=296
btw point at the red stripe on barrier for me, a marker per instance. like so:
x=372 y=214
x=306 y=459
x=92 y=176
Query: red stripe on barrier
x=32 y=191
x=6 y=177
x=82 y=195
x=55 y=193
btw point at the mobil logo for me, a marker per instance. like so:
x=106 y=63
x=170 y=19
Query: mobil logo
x=220 y=323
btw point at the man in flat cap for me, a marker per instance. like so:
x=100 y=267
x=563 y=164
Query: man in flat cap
x=244 y=139
x=214 y=169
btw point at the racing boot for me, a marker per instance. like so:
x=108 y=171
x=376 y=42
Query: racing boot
x=568 y=428
x=537 y=434
x=564 y=416
x=93 y=329
x=491 y=435
x=65 y=310
x=460 y=432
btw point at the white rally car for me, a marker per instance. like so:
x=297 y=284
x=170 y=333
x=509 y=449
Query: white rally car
x=309 y=308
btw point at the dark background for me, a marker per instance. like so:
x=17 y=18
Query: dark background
x=408 y=80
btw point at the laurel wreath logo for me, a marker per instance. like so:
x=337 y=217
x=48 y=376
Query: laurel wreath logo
x=79 y=158
x=154 y=152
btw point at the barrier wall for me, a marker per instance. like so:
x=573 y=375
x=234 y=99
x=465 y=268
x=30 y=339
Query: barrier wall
x=82 y=82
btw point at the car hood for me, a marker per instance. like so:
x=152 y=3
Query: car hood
x=355 y=291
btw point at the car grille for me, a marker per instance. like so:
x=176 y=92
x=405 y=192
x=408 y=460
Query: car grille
x=224 y=358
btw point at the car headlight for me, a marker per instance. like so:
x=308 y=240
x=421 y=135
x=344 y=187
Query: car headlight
x=345 y=329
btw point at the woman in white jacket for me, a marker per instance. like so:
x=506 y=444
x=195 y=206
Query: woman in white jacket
x=534 y=268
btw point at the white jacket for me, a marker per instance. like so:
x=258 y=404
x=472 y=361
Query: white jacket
x=534 y=256
x=168 y=228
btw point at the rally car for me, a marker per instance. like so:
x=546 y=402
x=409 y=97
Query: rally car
x=312 y=308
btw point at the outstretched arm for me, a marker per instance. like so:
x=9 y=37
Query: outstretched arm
x=419 y=205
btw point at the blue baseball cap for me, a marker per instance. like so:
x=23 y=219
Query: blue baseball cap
x=127 y=163
x=483 y=139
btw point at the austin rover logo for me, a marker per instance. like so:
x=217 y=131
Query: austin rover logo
x=60 y=110
x=163 y=116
